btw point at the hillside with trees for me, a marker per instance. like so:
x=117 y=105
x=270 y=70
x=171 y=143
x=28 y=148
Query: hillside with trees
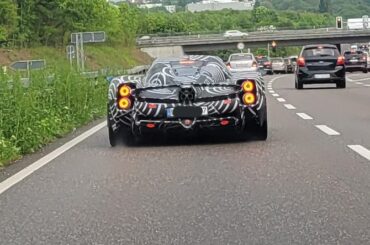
x=345 y=8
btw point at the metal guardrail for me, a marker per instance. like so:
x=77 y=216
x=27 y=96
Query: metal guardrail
x=252 y=36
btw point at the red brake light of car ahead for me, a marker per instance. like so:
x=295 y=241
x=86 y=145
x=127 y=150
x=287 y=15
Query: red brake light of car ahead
x=340 y=61
x=267 y=63
x=228 y=66
x=301 y=62
x=254 y=64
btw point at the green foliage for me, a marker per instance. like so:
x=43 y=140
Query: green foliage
x=345 y=8
x=8 y=19
x=324 y=6
x=48 y=108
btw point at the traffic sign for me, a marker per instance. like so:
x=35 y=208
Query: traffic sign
x=240 y=46
x=89 y=37
x=28 y=65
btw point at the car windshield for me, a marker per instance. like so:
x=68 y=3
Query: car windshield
x=320 y=52
x=241 y=57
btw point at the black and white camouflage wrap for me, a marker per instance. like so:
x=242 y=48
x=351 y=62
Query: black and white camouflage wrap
x=215 y=88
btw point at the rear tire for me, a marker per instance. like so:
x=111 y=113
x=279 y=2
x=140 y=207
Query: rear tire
x=113 y=136
x=298 y=83
x=365 y=70
x=341 y=84
x=261 y=132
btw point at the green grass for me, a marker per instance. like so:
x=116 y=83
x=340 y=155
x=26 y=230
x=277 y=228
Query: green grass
x=32 y=116
x=50 y=107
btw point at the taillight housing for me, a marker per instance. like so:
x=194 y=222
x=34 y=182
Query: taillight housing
x=254 y=64
x=301 y=62
x=249 y=92
x=124 y=97
x=340 y=61
x=228 y=66
x=267 y=63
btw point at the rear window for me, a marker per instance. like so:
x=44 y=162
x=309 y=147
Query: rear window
x=237 y=57
x=349 y=53
x=320 y=52
x=262 y=59
x=277 y=60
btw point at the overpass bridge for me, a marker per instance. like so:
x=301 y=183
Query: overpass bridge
x=190 y=44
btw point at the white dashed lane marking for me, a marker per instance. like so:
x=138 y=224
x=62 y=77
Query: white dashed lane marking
x=367 y=85
x=327 y=130
x=304 y=116
x=361 y=150
x=275 y=95
x=289 y=106
x=358 y=83
x=281 y=99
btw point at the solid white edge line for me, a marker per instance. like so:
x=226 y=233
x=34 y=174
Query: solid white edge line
x=16 y=178
x=281 y=100
x=361 y=150
x=304 y=116
x=289 y=106
x=327 y=130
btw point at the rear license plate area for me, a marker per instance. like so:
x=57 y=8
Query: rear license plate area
x=322 y=76
x=187 y=111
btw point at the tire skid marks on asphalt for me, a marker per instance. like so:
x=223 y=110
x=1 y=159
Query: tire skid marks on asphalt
x=362 y=151
x=304 y=116
x=327 y=130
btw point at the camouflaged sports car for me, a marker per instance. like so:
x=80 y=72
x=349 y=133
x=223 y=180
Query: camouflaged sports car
x=187 y=94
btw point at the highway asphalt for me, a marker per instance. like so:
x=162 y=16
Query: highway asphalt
x=309 y=183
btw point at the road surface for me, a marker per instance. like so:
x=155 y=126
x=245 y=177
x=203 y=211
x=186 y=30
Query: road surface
x=307 y=184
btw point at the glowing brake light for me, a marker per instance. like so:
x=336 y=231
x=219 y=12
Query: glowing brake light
x=248 y=86
x=124 y=91
x=186 y=62
x=249 y=98
x=301 y=62
x=124 y=103
x=340 y=61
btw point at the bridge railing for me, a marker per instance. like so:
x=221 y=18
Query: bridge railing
x=173 y=40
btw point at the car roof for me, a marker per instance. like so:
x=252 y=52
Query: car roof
x=319 y=45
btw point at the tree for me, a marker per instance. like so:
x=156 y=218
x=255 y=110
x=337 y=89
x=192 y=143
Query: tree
x=8 y=19
x=324 y=6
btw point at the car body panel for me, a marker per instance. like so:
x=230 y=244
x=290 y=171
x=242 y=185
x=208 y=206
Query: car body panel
x=158 y=94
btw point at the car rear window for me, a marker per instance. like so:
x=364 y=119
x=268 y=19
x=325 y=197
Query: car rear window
x=320 y=52
x=277 y=60
x=349 y=53
x=237 y=57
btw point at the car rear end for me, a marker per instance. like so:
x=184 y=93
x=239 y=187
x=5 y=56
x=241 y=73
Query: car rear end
x=355 y=61
x=242 y=63
x=320 y=64
x=278 y=65
x=264 y=64
x=289 y=65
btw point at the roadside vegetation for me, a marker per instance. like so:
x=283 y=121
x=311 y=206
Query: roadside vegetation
x=345 y=8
